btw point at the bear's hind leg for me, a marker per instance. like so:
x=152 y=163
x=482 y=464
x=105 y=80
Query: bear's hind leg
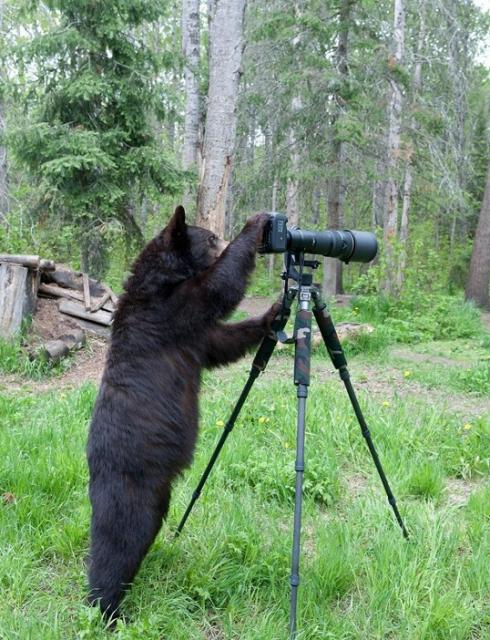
x=124 y=525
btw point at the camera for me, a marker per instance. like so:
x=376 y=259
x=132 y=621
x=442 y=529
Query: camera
x=356 y=246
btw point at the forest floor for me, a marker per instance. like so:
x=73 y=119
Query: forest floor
x=428 y=409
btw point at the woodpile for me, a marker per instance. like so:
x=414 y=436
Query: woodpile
x=88 y=304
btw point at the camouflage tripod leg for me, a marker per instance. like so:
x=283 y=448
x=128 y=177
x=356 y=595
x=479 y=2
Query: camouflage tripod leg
x=259 y=363
x=334 y=348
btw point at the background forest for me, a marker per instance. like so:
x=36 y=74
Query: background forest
x=361 y=114
x=350 y=114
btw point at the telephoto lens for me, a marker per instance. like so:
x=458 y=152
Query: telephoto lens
x=355 y=246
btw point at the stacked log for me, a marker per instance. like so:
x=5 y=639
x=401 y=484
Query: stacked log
x=24 y=278
x=89 y=303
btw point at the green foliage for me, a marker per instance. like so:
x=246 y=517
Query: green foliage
x=88 y=138
x=367 y=343
x=417 y=317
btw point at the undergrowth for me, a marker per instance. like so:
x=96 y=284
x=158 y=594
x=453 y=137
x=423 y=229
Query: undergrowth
x=14 y=358
x=227 y=576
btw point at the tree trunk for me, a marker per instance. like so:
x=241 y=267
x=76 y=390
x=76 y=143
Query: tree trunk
x=379 y=191
x=407 y=186
x=390 y=230
x=273 y=208
x=315 y=206
x=225 y=55
x=332 y=268
x=479 y=279
x=458 y=77
x=4 y=196
x=191 y=53
x=171 y=117
x=292 y=187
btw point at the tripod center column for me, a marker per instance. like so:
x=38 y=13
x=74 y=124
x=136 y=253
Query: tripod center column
x=302 y=354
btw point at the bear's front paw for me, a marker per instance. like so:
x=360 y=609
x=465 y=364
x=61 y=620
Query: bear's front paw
x=271 y=315
x=257 y=223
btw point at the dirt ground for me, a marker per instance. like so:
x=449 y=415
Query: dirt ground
x=384 y=382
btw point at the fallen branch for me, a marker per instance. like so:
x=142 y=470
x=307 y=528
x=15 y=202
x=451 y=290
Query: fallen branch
x=98 y=305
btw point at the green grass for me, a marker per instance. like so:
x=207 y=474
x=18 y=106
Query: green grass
x=461 y=366
x=227 y=575
x=15 y=359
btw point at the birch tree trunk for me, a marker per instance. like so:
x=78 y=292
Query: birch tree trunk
x=191 y=53
x=292 y=184
x=292 y=187
x=479 y=279
x=225 y=54
x=4 y=197
x=379 y=190
x=458 y=66
x=395 y=111
x=275 y=186
x=407 y=185
x=332 y=268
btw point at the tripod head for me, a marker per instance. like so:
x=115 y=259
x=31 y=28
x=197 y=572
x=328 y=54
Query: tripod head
x=294 y=263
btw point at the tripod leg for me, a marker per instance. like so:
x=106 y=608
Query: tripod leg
x=258 y=365
x=302 y=331
x=337 y=356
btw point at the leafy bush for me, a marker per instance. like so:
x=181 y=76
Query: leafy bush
x=419 y=318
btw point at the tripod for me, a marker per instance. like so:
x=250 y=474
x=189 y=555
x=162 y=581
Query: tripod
x=307 y=294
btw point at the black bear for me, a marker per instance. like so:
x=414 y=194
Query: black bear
x=144 y=426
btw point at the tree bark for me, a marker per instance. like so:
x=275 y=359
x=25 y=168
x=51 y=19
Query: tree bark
x=13 y=295
x=332 y=268
x=225 y=54
x=273 y=208
x=191 y=53
x=292 y=187
x=408 y=181
x=4 y=195
x=479 y=279
x=390 y=230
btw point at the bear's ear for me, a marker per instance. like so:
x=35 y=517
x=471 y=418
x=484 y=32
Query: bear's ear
x=176 y=230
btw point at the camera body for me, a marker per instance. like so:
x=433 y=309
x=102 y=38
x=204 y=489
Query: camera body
x=275 y=238
x=357 y=246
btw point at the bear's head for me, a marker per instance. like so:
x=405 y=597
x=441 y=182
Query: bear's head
x=179 y=252
x=200 y=246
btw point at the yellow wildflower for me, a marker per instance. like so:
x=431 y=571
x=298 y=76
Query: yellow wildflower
x=386 y=403
x=407 y=374
x=220 y=423
x=467 y=426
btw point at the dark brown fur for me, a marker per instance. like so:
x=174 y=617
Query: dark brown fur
x=144 y=425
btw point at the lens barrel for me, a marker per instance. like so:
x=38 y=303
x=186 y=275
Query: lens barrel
x=356 y=246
